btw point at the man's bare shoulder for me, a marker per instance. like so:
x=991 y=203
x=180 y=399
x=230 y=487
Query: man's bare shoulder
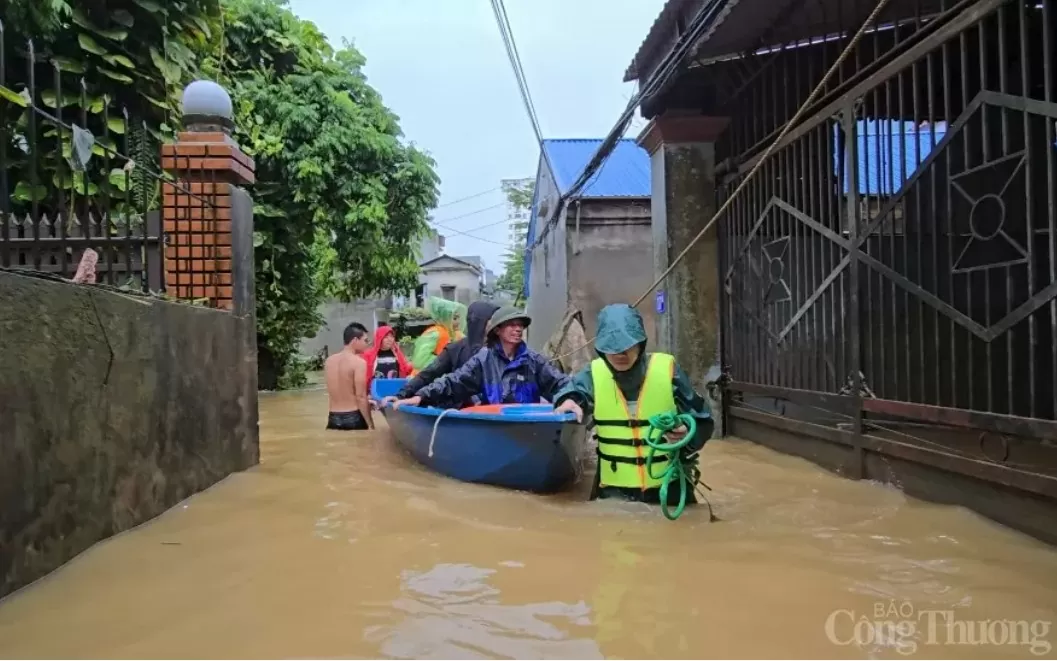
x=334 y=362
x=344 y=362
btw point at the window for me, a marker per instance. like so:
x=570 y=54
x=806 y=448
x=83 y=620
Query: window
x=448 y=292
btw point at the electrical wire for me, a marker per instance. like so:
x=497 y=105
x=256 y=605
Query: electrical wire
x=507 y=34
x=470 y=213
x=471 y=236
x=766 y=155
x=505 y=31
x=468 y=197
x=660 y=77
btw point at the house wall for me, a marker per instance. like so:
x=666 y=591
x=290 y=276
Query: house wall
x=548 y=267
x=336 y=316
x=467 y=283
x=610 y=259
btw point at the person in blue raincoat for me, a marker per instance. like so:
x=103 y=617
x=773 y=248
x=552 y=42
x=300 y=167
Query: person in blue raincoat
x=504 y=371
x=623 y=388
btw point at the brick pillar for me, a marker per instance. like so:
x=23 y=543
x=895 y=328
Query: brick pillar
x=197 y=213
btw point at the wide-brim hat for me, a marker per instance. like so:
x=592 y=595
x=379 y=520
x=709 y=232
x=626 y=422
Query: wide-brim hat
x=505 y=314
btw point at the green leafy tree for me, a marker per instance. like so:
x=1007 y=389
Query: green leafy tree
x=520 y=197
x=133 y=58
x=340 y=200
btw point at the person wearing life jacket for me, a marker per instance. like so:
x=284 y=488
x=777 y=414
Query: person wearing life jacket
x=433 y=340
x=623 y=388
x=454 y=355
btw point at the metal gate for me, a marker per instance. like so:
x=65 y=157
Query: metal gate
x=889 y=276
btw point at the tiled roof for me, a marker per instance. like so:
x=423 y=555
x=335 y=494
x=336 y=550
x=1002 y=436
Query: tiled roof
x=626 y=173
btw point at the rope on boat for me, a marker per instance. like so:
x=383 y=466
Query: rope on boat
x=433 y=436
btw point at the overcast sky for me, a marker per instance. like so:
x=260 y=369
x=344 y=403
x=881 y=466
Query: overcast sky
x=441 y=66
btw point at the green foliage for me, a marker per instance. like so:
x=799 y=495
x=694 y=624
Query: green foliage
x=520 y=194
x=340 y=201
x=520 y=197
x=115 y=68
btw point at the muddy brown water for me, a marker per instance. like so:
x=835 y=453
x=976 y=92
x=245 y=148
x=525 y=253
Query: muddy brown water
x=338 y=545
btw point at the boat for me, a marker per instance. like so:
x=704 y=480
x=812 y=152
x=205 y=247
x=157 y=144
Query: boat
x=527 y=447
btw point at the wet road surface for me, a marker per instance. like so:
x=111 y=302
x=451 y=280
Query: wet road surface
x=338 y=545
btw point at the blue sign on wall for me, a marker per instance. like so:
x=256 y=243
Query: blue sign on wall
x=660 y=302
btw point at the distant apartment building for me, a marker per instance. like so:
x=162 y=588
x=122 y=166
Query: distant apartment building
x=517 y=217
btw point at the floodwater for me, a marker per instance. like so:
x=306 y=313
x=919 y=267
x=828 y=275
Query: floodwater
x=337 y=545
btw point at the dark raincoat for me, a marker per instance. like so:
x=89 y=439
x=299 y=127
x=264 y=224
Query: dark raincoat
x=455 y=354
x=496 y=379
x=620 y=327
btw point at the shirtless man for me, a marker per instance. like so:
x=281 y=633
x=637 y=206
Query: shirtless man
x=346 y=374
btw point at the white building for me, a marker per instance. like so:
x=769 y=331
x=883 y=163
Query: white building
x=459 y=279
x=517 y=217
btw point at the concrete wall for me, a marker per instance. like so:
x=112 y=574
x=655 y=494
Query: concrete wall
x=338 y=315
x=683 y=201
x=611 y=259
x=549 y=272
x=113 y=408
x=549 y=285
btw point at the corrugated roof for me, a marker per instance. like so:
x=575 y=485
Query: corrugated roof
x=664 y=28
x=889 y=151
x=626 y=173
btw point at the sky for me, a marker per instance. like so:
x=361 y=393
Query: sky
x=441 y=66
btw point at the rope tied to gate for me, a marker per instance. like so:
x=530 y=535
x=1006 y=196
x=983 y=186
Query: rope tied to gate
x=872 y=18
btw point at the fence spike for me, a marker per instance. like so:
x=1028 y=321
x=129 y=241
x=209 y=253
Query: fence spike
x=75 y=226
x=45 y=227
x=94 y=226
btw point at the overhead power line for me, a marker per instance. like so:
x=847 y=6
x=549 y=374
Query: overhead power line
x=468 y=197
x=471 y=236
x=507 y=33
x=881 y=4
x=660 y=78
x=471 y=213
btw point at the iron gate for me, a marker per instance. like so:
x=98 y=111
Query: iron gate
x=889 y=276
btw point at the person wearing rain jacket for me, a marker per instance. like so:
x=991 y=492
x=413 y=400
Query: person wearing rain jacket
x=384 y=359
x=505 y=371
x=455 y=355
x=458 y=323
x=433 y=340
x=624 y=387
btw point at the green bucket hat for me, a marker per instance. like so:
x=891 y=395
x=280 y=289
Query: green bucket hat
x=620 y=327
x=505 y=314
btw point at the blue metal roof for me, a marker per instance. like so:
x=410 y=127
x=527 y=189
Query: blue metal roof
x=889 y=151
x=626 y=173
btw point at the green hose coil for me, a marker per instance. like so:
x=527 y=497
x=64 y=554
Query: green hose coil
x=678 y=469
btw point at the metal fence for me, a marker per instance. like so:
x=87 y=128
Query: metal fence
x=892 y=269
x=77 y=173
